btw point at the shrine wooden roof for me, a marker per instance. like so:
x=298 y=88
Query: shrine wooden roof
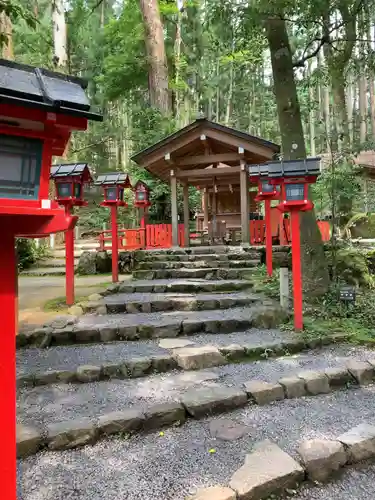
x=39 y=88
x=204 y=150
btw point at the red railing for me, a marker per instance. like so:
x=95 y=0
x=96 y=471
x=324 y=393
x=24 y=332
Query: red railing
x=152 y=236
x=160 y=235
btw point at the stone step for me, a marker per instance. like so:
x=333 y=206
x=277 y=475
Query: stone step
x=183 y=286
x=44 y=271
x=223 y=257
x=112 y=361
x=102 y=328
x=60 y=254
x=177 y=462
x=153 y=302
x=54 y=263
x=157 y=265
x=183 y=273
x=168 y=400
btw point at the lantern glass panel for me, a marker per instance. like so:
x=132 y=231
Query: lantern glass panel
x=294 y=192
x=77 y=190
x=64 y=189
x=267 y=188
x=20 y=165
x=141 y=196
x=111 y=194
x=121 y=194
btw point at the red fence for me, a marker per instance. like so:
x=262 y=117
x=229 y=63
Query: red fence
x=152 y=236
x=160 y=235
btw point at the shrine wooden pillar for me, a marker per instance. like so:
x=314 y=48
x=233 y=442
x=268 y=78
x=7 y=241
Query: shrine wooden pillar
x=174 y=210
x=205 y=209
x=244 y=194
x=186 y=216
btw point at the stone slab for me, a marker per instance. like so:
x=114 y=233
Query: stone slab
x=338 y=377
x=28 y=441
x=171 y=343
x=263 y=392
x=315 y=382
x=214 y=493
x=322 y=457
x=207 y=401
x=120 y=421
x=294 y=387
x=362 y=371
x=227 y=430
x=268 y=470
x=164 y=414
x=197 y=358
x=71 y=434
x=359 y=442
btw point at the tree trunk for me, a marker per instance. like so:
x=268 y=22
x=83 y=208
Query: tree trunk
x=362 y=105
x=314 y=266
x=371 y=86
x=349 y=106
x=6 y=29
x=155 y=48
x=311 y=113
x=59 y=33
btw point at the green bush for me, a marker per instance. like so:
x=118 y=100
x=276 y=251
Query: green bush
x=28 y=253
x=351 y=266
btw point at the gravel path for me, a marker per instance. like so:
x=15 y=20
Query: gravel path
x=169 y=467
x=167 y=317
x=67 y=357
x=63 y=402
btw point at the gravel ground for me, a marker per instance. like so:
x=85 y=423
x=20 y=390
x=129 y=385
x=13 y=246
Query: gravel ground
x=62 y=402
x=167 y=317
x=121 y=298
x=169 y=467
x=68 y=357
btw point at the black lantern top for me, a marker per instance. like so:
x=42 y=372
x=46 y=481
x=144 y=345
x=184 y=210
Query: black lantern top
x=307 y=167
x=114 y=184
x=27 y=86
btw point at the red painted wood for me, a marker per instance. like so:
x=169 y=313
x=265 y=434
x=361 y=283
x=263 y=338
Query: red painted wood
x=69 y=263
x=268 y=223
x=8 y=307
x=114 y=243
x=325 y=230
x=296 y=270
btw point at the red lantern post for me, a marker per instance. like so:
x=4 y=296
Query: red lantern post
x=69 y=181
x=266 y=193
x=37 y=118
x=294 y=176
x=113 y=185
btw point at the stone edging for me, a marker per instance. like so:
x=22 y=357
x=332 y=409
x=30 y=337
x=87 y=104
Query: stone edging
x=269 y=470
x=164 y=363
x=194 y=403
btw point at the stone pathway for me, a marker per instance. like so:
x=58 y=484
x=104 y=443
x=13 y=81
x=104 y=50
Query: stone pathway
x=171 y=383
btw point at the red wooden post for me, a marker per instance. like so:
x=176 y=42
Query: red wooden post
x=114 y=244
x=296 y=268
x=8 y=301
x=69 y=263
x=267 y=210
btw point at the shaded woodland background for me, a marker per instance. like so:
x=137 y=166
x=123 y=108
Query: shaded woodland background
x=154 y=66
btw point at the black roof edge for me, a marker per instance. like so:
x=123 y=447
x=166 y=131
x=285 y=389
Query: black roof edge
x=195 y=124
x=53 y=74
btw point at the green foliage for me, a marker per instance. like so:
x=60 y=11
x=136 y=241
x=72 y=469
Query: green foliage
x=28 y=253
x=351 y=267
